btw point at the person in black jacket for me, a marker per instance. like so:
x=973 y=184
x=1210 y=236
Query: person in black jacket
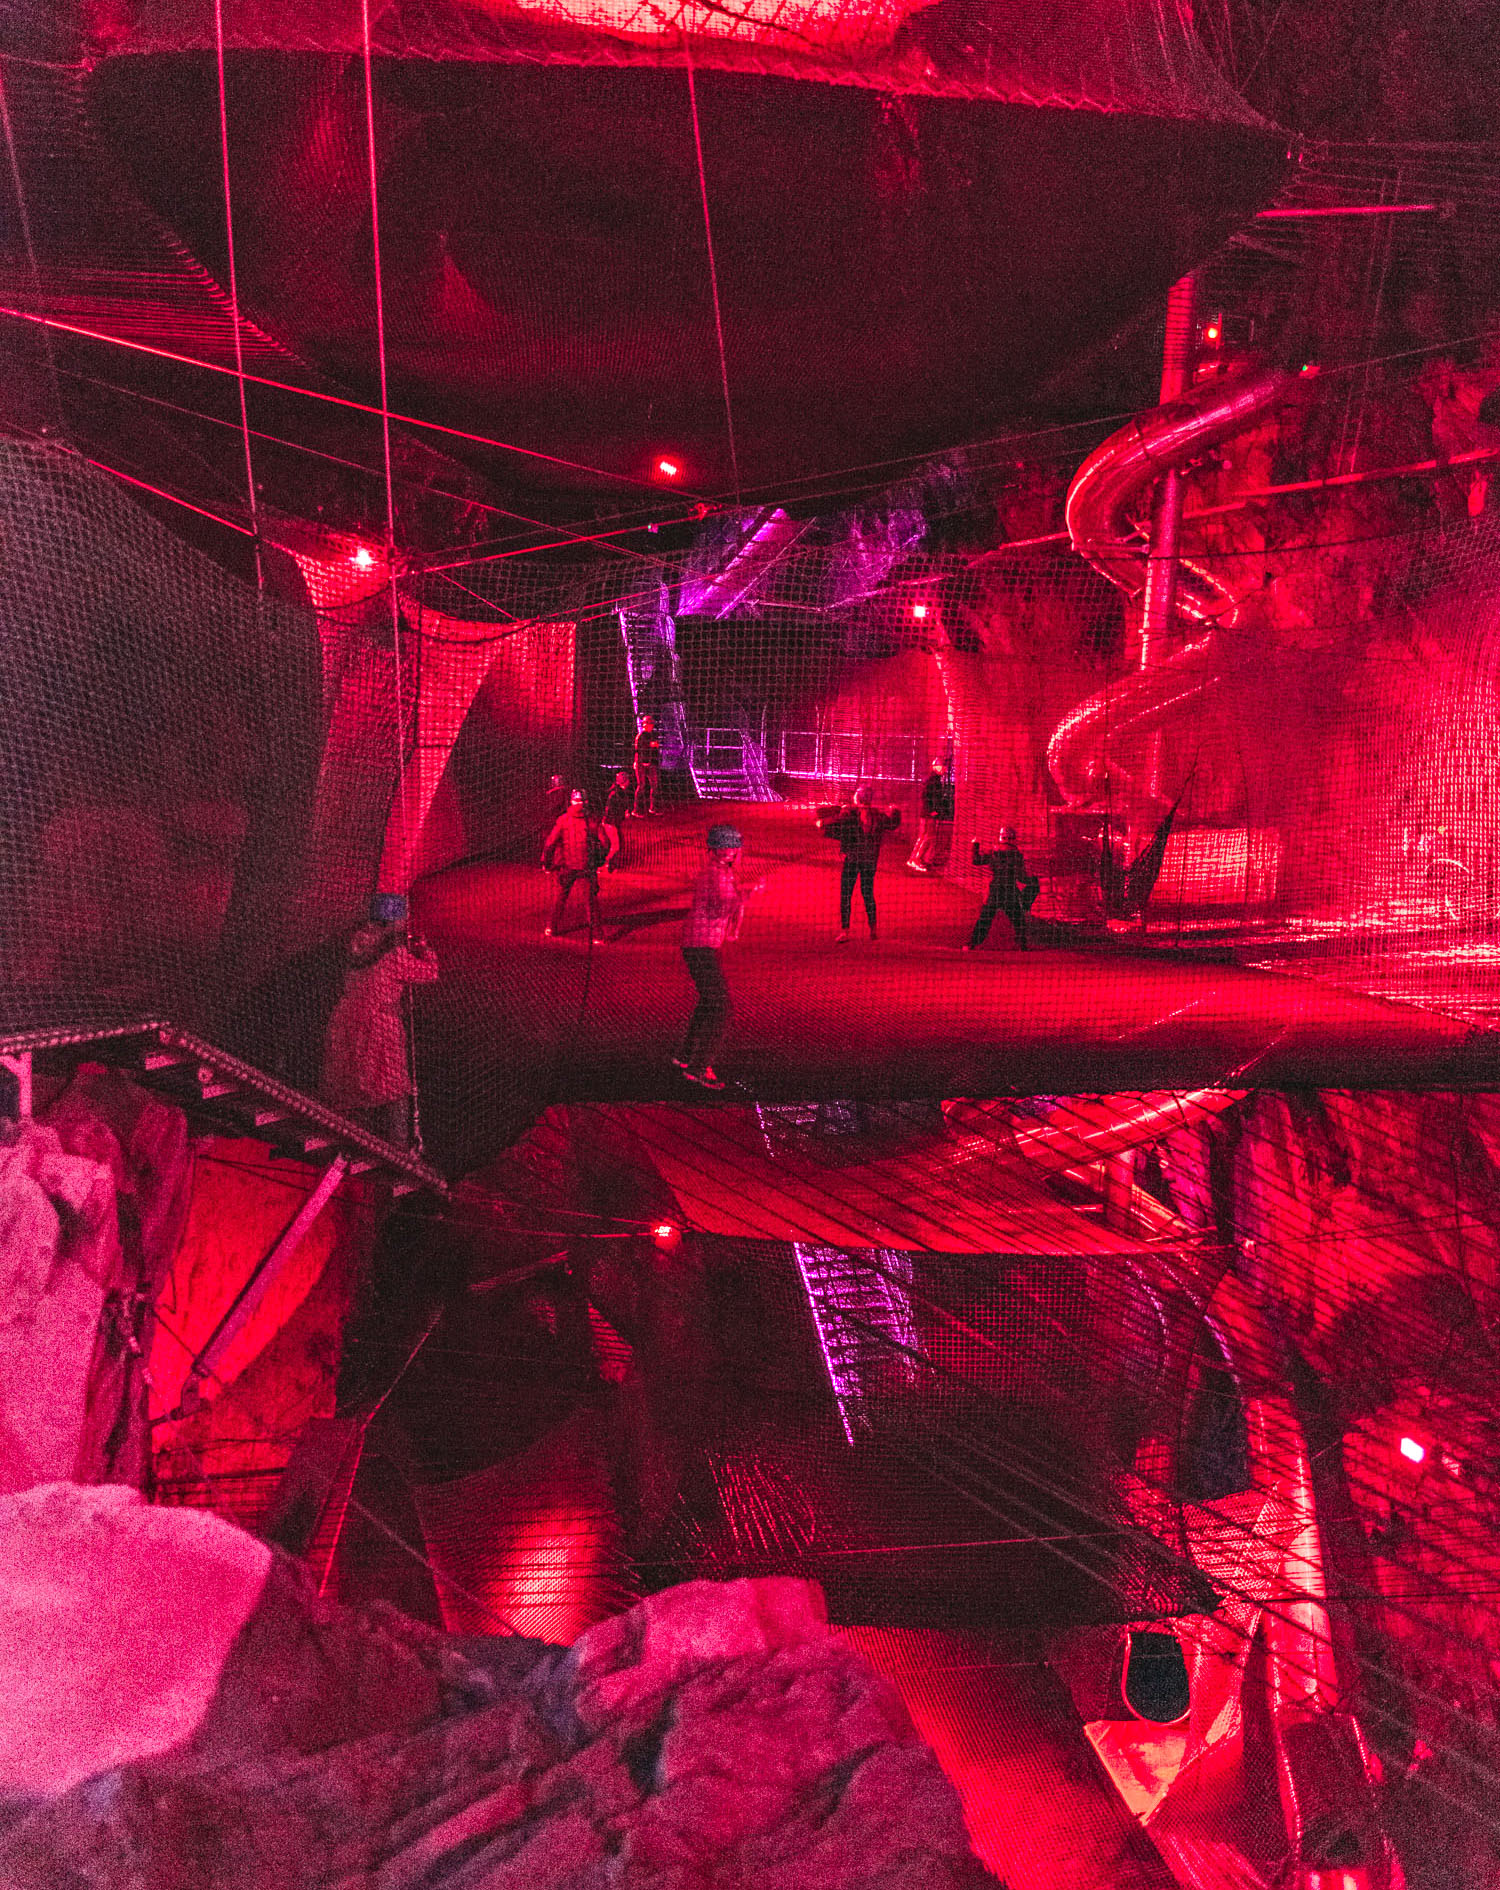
x=937 y=807
x=647 y=766
x=616 y=807
x=1012 y=889
x=859 y=829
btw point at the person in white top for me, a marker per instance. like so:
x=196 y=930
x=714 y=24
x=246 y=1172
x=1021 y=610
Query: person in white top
x=366 y=1070
x=713 y=921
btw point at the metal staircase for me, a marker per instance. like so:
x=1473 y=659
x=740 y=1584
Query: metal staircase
x=649 y=633
x=861 y=1313
x=730 y=765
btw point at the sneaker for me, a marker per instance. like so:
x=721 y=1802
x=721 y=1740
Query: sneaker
x=841 y=938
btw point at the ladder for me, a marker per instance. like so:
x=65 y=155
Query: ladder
x=649 y=633
x=860 y=1310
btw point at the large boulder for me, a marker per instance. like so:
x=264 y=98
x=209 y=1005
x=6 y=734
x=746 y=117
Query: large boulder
x=182 y=1709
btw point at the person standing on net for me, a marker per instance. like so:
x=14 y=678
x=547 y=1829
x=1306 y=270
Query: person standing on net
x=1012 y=889
x=859 y=827
x=647 y=766
x=713 y=922
x=366 y=1070
x=937 y=806
x=575 y=846
x=616 y=807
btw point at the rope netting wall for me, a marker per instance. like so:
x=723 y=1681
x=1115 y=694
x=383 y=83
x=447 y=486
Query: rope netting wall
x=948 y=1384
x=208 y=783
x=1012 y=1464
x=1140 y=56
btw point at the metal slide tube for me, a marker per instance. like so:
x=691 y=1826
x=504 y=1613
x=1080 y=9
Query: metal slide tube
x=1102 y=502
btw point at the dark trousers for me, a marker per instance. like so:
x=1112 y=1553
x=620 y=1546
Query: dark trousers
x=1000 y=901
x=647 y=781
x=864 y=872
x=567 y=879
x=710 y=1018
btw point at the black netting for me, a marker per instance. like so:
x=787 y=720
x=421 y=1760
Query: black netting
x=1142 y=56
x=207 y=784
x=940 y=1441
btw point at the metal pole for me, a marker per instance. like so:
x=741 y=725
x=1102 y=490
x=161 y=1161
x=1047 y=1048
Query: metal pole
x=20 y=1068
x=259 y=1283
x=1160 y=599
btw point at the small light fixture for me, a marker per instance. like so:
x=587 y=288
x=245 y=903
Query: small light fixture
x=669 y=468
x=364 y=558
x=919 y=611
x=1412 y=1451
x=666 y=1235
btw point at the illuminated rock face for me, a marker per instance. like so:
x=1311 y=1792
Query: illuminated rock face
x=91 y=1206
x=713 y=1733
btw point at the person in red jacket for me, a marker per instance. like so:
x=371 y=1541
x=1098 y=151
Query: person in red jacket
x=859 y=827
x=575 y=846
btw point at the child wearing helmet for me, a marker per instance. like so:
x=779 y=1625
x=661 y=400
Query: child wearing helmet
x=1012 y=889
x=574 y=845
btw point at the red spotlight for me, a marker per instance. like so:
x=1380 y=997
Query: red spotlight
x=1412 y=1451
x=919 y=611
x=668 y=468
x=666 y=1235
x=364 y=558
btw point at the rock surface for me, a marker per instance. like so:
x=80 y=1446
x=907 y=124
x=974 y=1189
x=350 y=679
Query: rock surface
x=715 y=1735
x=91 y=1205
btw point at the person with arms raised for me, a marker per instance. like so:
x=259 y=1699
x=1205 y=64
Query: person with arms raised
x=859 y=827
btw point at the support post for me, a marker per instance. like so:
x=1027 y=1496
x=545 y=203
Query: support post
x=1160 y=599
x=20 y=1068
x=259 y=1283
x=1119 y=1191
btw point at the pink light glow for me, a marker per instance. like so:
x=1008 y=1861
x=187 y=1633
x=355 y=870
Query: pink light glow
x=364 y=558
x=919 y=610
x=1412 y=1451
x=668 y=468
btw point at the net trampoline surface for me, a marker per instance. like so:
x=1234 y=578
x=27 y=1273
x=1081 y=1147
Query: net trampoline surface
x=206 y=782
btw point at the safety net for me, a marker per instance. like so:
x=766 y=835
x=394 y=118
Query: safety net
x=207 y=783
x=1103 y=1314
x=1102 y=55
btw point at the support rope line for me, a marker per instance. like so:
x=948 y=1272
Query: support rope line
x=234 y=296
x=330 y=400
x=713 y=268
x=24 y=218
x=390 y=542
x=160 y=492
